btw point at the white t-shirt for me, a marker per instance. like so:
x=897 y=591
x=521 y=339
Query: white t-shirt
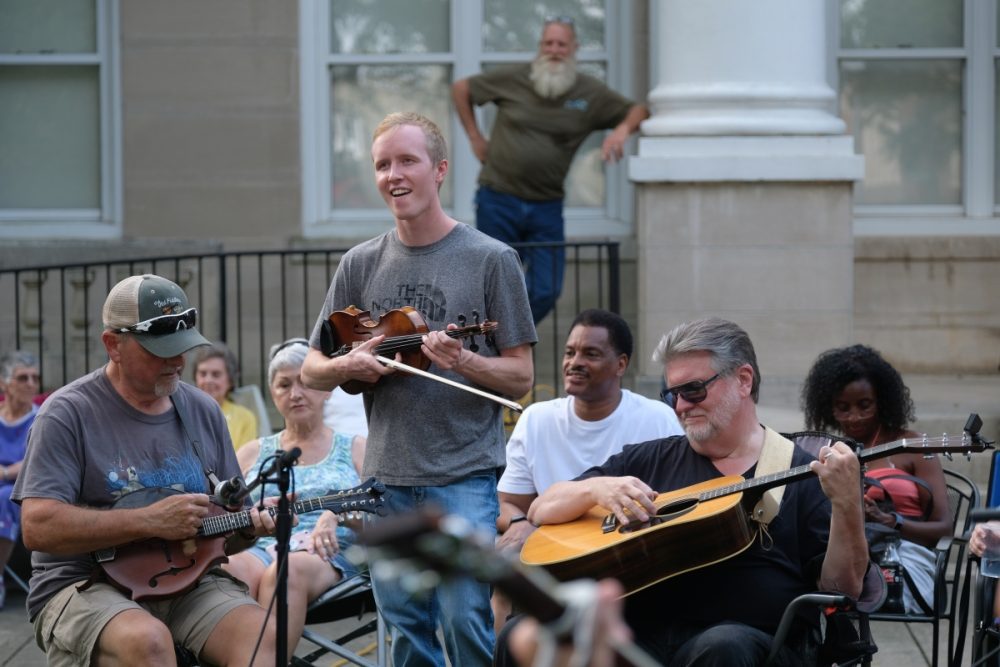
x=345 y=413
x=551 y=444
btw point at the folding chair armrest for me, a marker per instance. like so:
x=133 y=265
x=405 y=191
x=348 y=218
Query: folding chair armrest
x=944 y=543
x=818 y=599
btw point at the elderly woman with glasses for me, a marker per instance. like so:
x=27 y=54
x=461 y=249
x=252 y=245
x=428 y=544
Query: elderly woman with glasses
x=329 y=462
x=20 y=384
x=855 y=391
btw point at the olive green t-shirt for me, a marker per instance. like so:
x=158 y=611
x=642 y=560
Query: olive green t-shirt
x=534 y=139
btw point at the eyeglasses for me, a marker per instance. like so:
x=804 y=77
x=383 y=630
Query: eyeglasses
x=164 y=324
x=565 y=20
x=695 y=391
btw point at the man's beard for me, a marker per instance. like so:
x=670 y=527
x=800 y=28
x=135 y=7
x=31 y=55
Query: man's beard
x=716 y=422
x=552 y=78
x=166 y=386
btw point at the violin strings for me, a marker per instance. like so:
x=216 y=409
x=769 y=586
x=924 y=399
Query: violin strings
x=398 y=343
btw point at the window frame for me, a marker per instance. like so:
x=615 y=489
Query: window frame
x=106 y=221
x=319 y=218
x=980 y=57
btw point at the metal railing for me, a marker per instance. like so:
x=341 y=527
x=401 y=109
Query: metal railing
x=250 y=300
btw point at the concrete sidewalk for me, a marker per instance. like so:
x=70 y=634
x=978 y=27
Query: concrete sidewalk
x=899 y=644
x=18 y=649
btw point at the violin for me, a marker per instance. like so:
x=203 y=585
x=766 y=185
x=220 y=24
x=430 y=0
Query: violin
x=404 y=329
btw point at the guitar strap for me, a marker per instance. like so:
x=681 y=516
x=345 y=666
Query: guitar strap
x=775 y=456
x=185 y=420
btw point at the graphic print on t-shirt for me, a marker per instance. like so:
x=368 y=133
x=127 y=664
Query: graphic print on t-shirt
x=181 y=474
x=427 y=299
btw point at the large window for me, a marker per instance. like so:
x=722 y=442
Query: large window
x=58 y=147
x=363 y=59
x=916 y=83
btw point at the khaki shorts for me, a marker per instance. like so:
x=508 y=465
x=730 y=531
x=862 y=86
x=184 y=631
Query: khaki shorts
x=70 y=623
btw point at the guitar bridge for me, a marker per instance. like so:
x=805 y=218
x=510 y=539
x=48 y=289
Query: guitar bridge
x=611 y=524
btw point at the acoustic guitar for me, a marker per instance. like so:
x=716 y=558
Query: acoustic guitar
x=154 y=569
x=693 y=527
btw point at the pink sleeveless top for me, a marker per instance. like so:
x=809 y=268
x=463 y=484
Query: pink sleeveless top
x=905 y=493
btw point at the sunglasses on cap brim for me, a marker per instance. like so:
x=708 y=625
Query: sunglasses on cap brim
x=163 y=324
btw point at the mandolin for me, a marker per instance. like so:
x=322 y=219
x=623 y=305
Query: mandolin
x=404 y=329
x=154 y=569
x=694 y=527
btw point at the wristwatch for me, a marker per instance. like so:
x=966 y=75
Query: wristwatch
x=899 y=520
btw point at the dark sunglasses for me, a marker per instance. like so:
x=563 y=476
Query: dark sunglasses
x=695 y=391
x=164 y=324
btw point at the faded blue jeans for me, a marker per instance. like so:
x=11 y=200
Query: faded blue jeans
x=460 y=605
x=514 y=220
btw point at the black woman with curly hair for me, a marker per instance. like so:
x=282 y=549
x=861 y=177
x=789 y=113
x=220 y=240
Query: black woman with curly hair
x=855 y=391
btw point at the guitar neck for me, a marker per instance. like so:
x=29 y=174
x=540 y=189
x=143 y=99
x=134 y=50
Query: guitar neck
x=363 y=498
x=228 y=522
x=927 y=446
x=449 y=545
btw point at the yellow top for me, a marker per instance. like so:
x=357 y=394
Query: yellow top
x=242 y=423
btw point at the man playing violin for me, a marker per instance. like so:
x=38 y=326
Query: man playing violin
x=727 y=612
x=133 y=426
x=430 y=443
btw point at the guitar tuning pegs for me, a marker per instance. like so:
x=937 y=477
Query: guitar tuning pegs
x=461 y=319
x=475 y=316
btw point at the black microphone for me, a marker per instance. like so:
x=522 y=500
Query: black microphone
x=288 y=459
x=231 y=492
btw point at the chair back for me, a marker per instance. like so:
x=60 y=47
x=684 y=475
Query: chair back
x=950 y=567
x=251 y=398
x=963 y=496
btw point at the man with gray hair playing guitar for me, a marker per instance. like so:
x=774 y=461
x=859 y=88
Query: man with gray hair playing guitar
x=724 y=610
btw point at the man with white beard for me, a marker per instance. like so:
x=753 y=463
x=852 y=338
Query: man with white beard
x=545 y=110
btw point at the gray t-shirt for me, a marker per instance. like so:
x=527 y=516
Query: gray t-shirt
x=89 y=447
x=533 y=140
x=422 y=432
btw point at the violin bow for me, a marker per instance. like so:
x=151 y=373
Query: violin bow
x=398 y=365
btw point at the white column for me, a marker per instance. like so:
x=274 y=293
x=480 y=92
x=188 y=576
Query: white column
x=734 y=67
x=744 y=177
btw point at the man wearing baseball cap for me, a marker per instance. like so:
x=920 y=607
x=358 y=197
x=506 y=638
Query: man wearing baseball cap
x=132 y=427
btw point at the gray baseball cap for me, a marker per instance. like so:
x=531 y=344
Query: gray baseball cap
x=156 y=311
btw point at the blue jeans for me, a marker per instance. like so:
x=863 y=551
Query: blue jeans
x=514 y=220
x=461 y=605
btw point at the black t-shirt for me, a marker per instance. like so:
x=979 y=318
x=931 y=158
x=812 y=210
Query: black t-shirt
x=753 y=587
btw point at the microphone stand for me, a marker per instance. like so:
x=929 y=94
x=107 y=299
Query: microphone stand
x=283 y=535
x=279 y=471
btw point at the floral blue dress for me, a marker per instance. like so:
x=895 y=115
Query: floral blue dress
x=334 y=473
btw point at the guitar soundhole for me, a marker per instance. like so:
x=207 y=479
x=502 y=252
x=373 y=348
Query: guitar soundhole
x=676 y=509
x=665 y=513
